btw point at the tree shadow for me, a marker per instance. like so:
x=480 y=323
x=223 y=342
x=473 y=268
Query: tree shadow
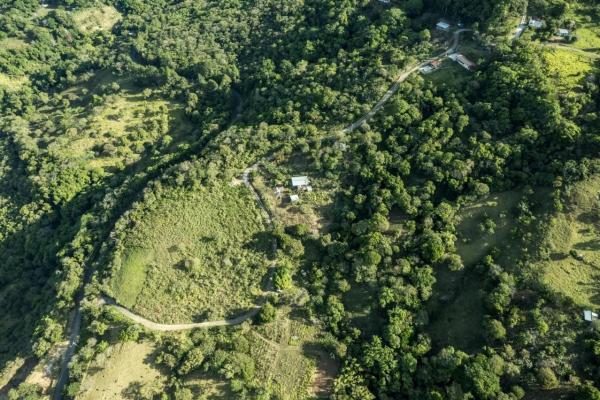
x=590 y=245
x=261 y=242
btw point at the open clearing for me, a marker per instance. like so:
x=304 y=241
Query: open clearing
x=120 y=372
x=574 y=265
x=12 y=83
x=95 y=19
x=193 y=255
x=456 y=307
x=290 y=359
x=588 y=29
x=569 y=68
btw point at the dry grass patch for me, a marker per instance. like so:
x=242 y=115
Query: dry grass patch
x=120 y=372
x=96 y=19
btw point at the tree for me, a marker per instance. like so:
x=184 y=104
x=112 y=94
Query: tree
x=546 y=378
x=267 y=313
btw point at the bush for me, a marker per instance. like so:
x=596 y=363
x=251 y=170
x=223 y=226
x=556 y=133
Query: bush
x=267 y=313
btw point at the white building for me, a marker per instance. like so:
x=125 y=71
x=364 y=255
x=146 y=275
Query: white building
x=563 y=32
x=442 y=26
x=300 y=181
x=294 y=198
x=463 y=61
x=589 y=315
x=536 y=23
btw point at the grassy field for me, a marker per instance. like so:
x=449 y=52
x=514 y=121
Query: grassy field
x=290 y=360
x=588 y=29
x=450 y=74
x=12 y=44
x=568 y=68
x=96 y=18
x=193 y=255
x=456 y=307
x=574 y=265
x=472 y=243
x=121 y=371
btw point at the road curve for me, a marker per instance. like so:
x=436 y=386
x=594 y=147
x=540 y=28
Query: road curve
x=404 y=76
x=146 y=323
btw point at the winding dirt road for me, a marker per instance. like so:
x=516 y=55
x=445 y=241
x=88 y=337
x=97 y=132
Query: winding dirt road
x=76 y=320
x=411 y=69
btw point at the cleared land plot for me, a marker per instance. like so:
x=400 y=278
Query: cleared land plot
x=311 y=209
x=456 y=307
x=358 y=302
x=574 y=241
x=588 y=28
x=475 y=239
x=121 y=372
x=450 y=74
x=290 y=360
x=569 y=68
x=94 y=19
x=193 y=255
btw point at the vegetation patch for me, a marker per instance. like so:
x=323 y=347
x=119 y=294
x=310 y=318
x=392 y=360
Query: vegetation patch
x=192 y=255
x=291 y=358
x=96 y=19
x=568 y=68
x=123 y=371
x=12 y=83
x=573 y=267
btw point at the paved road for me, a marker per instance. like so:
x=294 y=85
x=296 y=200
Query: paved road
x=404 y=76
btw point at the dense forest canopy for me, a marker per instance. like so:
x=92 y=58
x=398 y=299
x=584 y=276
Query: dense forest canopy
x=112 y=111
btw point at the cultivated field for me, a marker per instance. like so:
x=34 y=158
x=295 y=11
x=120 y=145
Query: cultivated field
x=193 y=255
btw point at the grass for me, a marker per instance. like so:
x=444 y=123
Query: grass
x=456 y=307
x=358 y=302
x=472 y=243
x=121 y=369
x=568 y=68
x=218 y=231
x=588 y=33
x=576 y=230
x=450 y=74
x=290 y=359
x=96 y=18
x=12 y=44
x=12 y=83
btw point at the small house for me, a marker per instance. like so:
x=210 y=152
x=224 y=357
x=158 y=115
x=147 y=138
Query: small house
x=463 y=61
x=300 y=182
x=536 y=23
x=442 y=26
x=563 y=32
x=590 y=316
x=294 y=198
x=426 y=69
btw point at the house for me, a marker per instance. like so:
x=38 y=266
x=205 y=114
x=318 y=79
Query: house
x=589 y=315
x=294 y=198
x=427 y=69
x=536 y=23
x=563 y=32
x=463 y=61
x=300 y=182
x=442 y=26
